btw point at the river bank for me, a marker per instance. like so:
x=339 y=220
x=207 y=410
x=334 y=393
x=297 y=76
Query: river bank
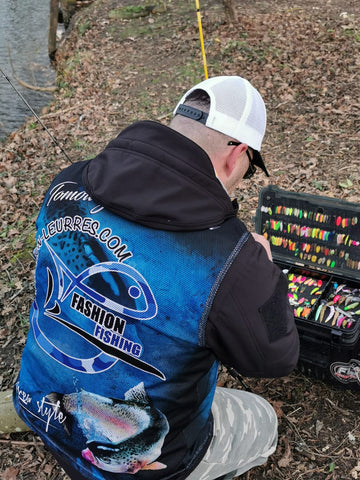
x=119 y=64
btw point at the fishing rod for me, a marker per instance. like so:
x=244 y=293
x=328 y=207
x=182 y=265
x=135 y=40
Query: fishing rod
x=201 y=38
x=238 y=377
x=36 y=115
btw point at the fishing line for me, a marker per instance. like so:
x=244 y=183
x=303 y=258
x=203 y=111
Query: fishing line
x=36 y=115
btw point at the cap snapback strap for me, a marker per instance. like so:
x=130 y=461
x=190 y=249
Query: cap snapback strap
x=192 y=113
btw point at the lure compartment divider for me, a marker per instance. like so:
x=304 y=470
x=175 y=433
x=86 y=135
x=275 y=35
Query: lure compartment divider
x=315 y=240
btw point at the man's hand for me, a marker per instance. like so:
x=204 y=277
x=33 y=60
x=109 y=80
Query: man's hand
x=260 y=239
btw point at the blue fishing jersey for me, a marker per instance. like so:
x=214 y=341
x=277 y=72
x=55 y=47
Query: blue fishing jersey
x=115 y=375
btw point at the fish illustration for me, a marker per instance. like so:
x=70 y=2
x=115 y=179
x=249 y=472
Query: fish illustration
x=61 y=282
x=123 y=436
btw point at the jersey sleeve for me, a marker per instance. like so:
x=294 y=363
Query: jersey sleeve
x=251 y=325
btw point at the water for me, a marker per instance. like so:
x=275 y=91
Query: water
x=24 y=28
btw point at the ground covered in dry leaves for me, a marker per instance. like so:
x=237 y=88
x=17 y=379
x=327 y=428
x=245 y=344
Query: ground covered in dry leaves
x=116 y=67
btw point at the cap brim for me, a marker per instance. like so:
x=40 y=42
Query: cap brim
x=259 y=162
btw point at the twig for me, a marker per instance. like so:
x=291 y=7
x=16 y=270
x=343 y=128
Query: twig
x=60 y=112
x=305 y=447
x=16 y=294
x=19 y=442
x=8 y=341
x=313 y=470
x=281 y=104
x=8 y=274
x=167 y=115
x=296 y=410
x=334 y=406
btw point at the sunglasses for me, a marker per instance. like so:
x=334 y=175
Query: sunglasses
x=252 y=168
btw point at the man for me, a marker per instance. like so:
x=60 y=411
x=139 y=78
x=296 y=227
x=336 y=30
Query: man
x=145 y=280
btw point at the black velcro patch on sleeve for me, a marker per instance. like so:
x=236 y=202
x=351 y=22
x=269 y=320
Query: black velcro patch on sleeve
x=276 y=312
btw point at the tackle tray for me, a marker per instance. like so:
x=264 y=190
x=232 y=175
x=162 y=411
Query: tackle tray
x=316 y=241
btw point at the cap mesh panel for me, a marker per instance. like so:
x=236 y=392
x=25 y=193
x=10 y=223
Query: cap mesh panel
x=230 y=105
x=254 y=119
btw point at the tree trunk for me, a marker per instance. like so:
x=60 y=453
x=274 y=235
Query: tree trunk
x=68 y=8
x=53 y=22
x=230 y=12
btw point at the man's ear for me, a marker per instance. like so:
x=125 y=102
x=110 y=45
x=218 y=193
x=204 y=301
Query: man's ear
x=232 y=157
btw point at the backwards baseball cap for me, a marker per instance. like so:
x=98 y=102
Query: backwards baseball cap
x=236 y=109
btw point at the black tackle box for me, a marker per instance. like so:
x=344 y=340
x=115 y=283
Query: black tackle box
x=316 y=241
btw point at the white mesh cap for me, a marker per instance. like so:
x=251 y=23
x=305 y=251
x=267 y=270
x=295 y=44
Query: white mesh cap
x=236 y=109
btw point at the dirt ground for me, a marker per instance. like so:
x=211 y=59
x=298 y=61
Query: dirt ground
x=116 y=66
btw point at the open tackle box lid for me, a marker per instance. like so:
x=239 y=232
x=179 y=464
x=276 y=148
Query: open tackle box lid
x=311 y=231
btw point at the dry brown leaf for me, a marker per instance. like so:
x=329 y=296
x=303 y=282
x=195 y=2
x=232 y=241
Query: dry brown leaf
x=10 y=474
x=277 y=406
x=287 y=457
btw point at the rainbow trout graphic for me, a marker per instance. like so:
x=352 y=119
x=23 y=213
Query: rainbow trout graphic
x=123 y=436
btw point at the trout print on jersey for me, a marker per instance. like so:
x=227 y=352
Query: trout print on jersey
x=123 y=436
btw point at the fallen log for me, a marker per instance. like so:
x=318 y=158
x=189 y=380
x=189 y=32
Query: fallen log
x=34 y=87
x=10 y=422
